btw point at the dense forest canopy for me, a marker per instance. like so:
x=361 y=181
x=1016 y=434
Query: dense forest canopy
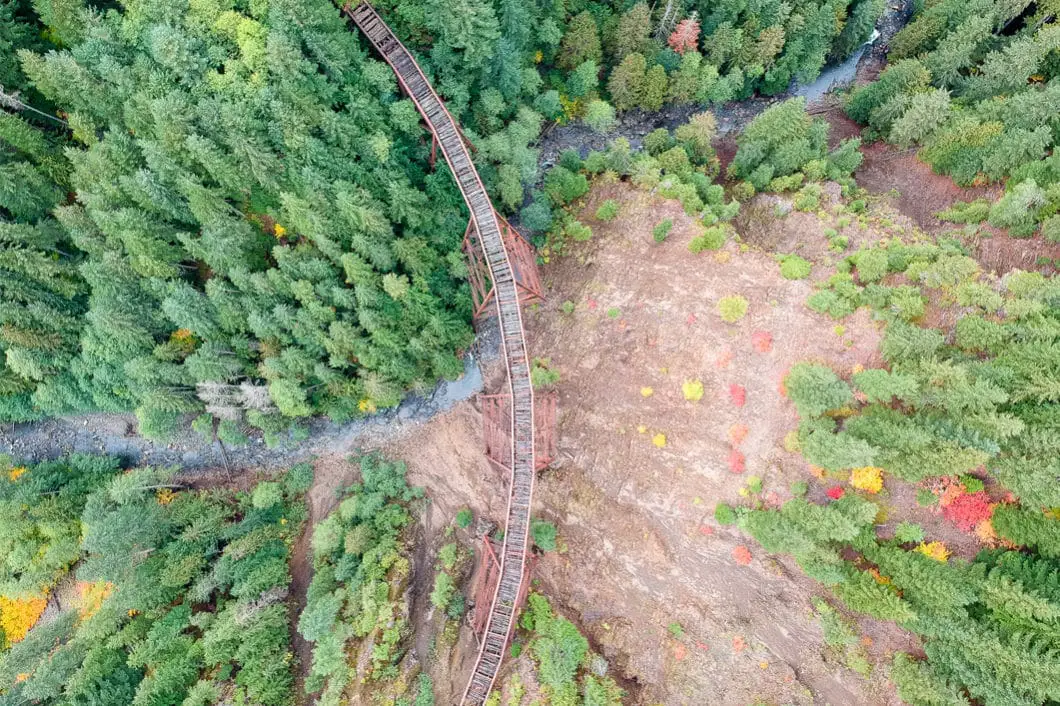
x=977 y=84
x=231 y=215
x=180 y=594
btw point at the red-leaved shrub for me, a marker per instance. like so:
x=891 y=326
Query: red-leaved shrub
x=762 y=341
x=737 y=433
x=741 y=554
x=968 y=510
x=737 y=462
x=737 y=394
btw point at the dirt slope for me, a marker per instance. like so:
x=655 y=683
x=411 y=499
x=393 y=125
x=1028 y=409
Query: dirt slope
x=643 y=549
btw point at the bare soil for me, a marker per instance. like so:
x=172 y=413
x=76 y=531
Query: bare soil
x=919 y=192
x=912 y=188
x=642 y=550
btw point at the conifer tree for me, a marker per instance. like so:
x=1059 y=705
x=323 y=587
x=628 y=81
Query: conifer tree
x=628 y=82
x=581 y=42
x=632 y=33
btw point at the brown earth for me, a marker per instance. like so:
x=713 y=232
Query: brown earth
x=912 y=188
x=643 y=551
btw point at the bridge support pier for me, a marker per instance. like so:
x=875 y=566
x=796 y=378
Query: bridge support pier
x=487 y=575
x=496 y=429
x=524 y=265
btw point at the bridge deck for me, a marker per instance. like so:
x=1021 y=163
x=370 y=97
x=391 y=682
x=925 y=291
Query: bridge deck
x=513 y=554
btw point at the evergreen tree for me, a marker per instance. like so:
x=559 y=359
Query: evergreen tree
x=628 y=83
x=632 y=33
x=655 y=88
x=581 y=42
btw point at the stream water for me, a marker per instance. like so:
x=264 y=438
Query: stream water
x=732 y=117
x=837 y=75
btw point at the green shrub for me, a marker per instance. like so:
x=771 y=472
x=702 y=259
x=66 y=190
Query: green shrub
x=447 y=556
x=457 y=606
x=661 y=230
x=577 y=231
x=596 y=162
x=829 y=302
x=544 y=535
x=203 y=426
x=563 y=659
x=424 y=690
x=443 y=592
x=1051 y=229
x=978 y=335
x=231 y=433
x=920 y=685
x=675 y=161
x=1028 y=527
x=925 y=498
x=809 y=198
x=464 y=518
x=816 y=389
x=909 y=533
x=537 y=215
x=840 y=637
x=883 y=386
x=872 y=264
x=786 y=183
x=744 y=191
x=571 y=160
x=542 y=374
x=563 y=186
x=299 y=479
x=1018 y=209
x=658 y=141
x=794 y=267
x=607 y=210
x=961 y=212
x=645 y=172
x=724 y=514
x=732 y=308
x=267 y=495
x=600 y=116
x=712 y=238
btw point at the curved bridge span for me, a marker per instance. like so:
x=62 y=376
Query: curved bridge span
x=513 y=555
